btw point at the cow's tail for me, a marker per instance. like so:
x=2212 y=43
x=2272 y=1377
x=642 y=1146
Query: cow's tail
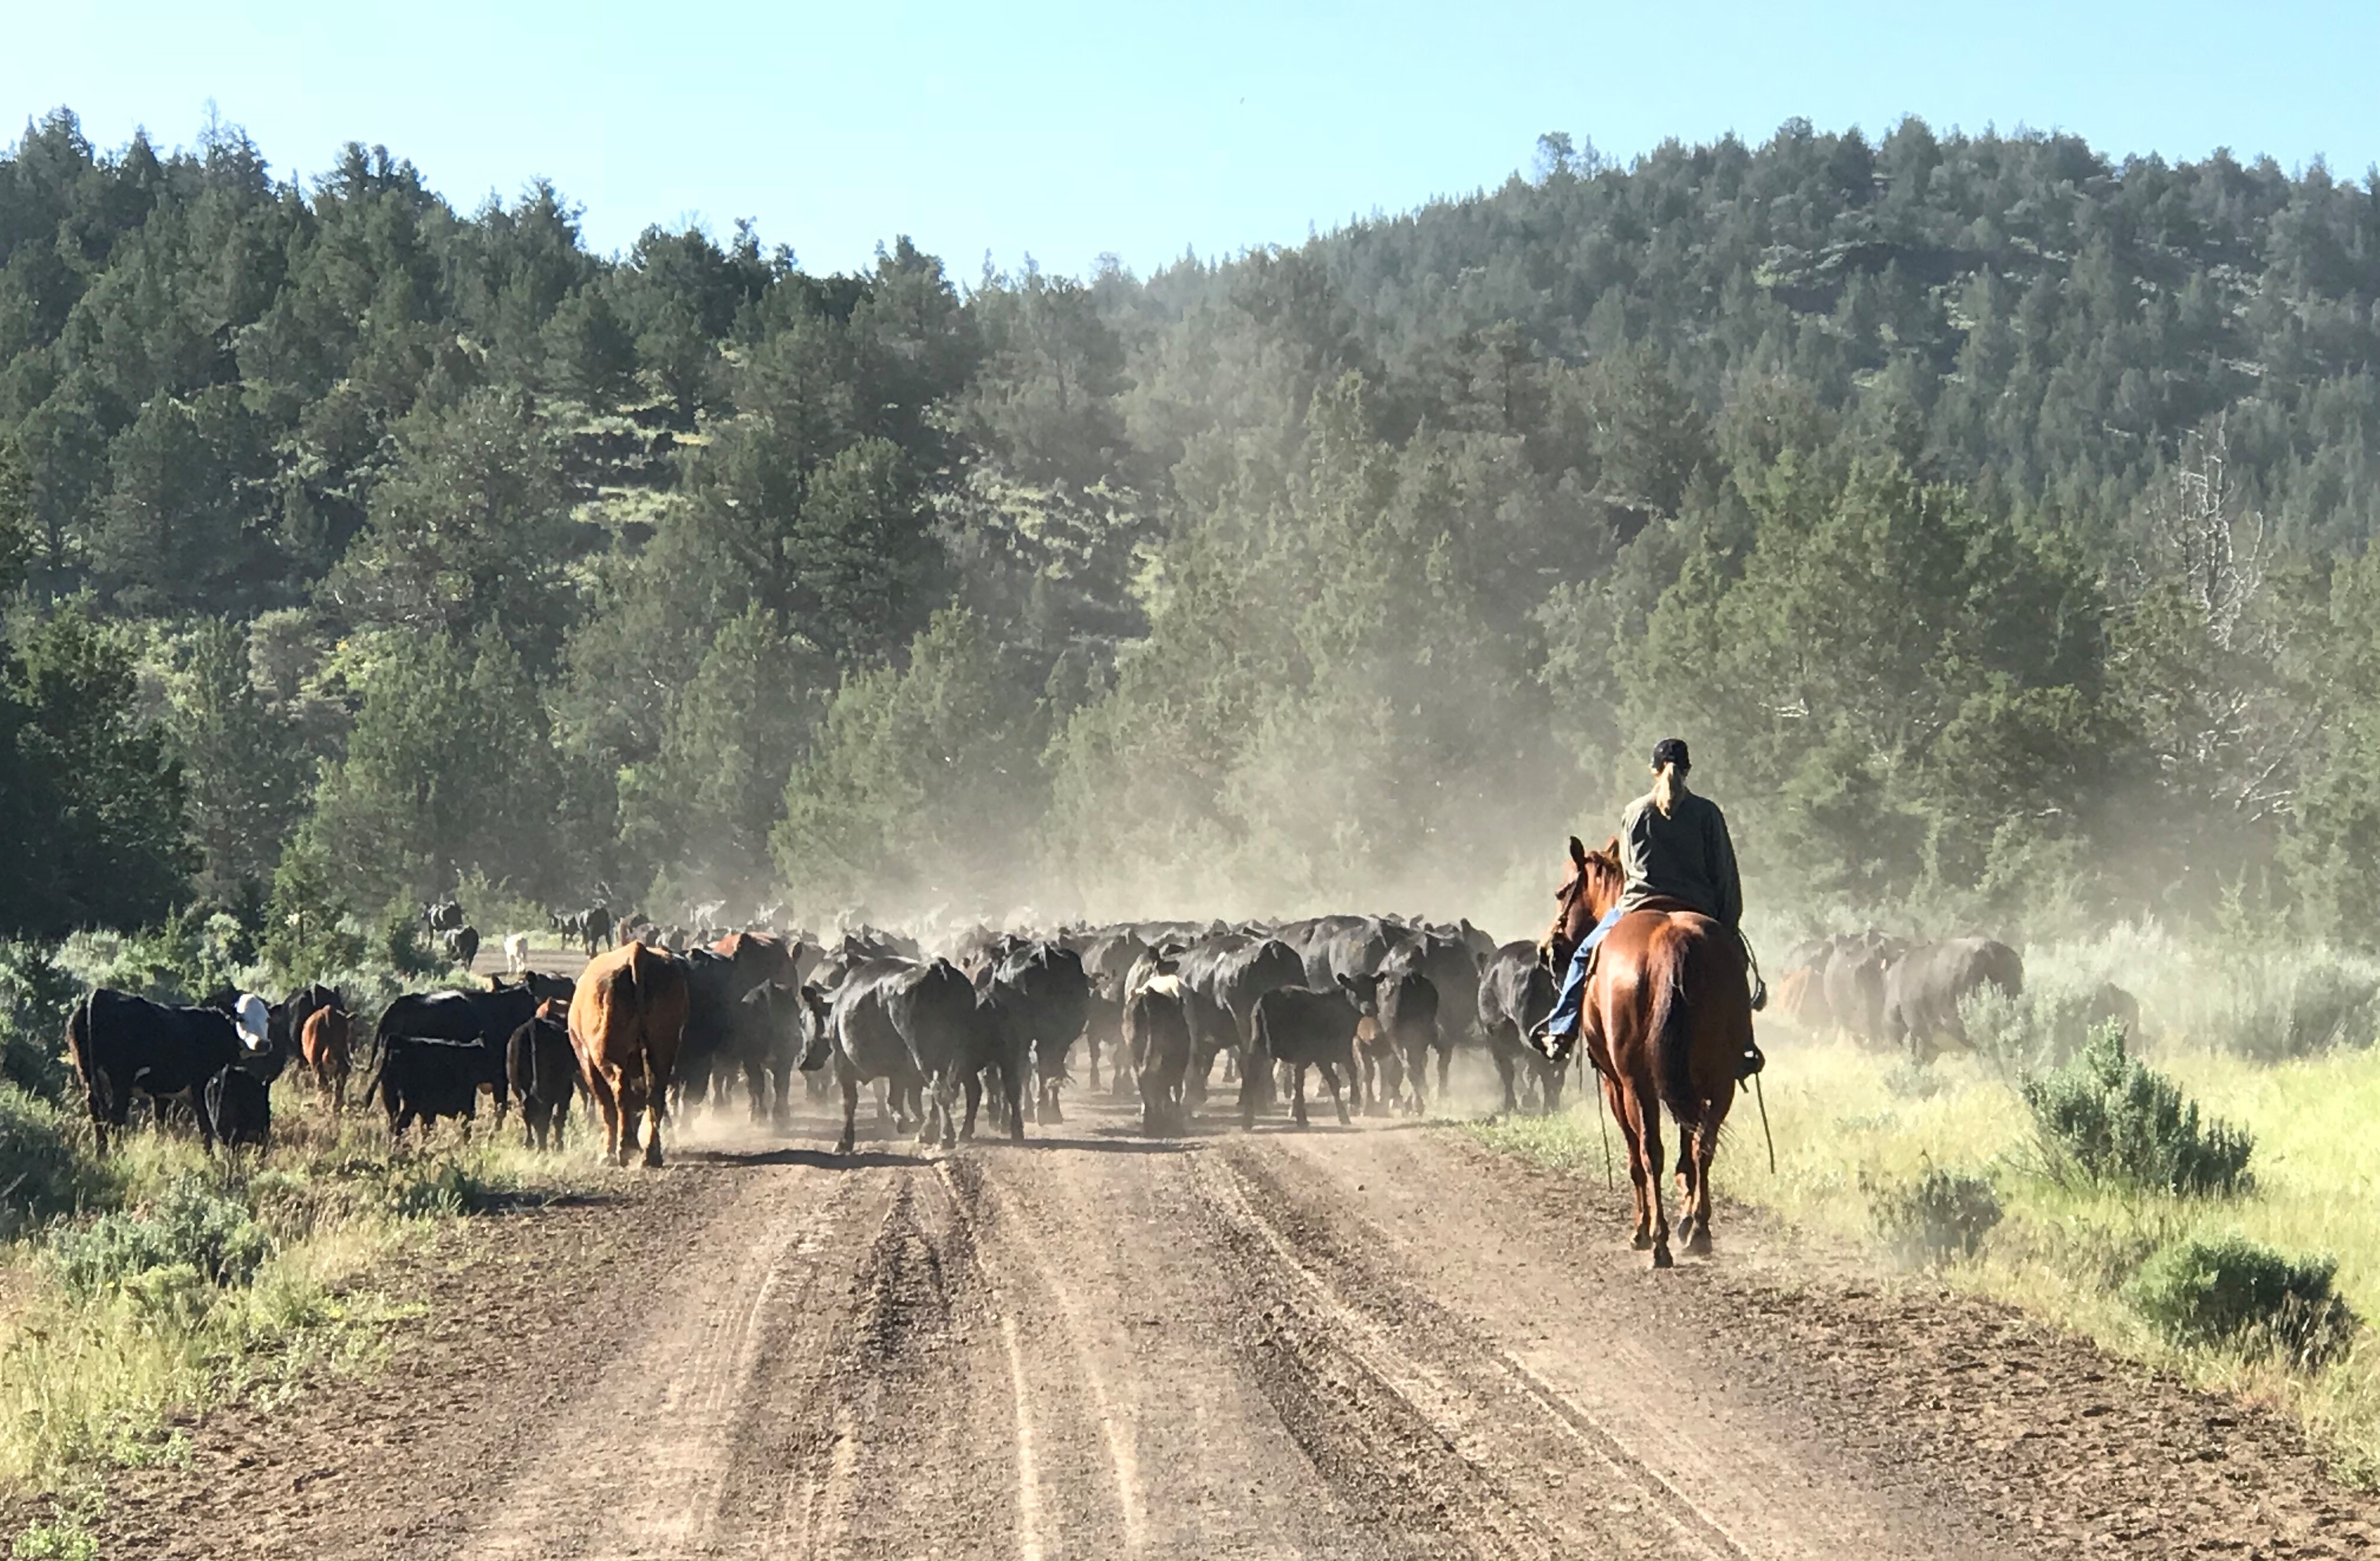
x=640 y=992
x=1673 y=1029
x=1255 y=1069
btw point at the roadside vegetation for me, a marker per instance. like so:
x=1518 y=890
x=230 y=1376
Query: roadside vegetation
x=2202 y=1197
x=139 y=1288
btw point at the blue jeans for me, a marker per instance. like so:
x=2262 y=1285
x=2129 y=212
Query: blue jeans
x=1563 y=1021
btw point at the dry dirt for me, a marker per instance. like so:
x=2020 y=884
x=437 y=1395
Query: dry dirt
x=1383 y=1342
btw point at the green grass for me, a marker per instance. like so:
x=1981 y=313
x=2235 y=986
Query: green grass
x=117 y=1321
x=1849 y=1123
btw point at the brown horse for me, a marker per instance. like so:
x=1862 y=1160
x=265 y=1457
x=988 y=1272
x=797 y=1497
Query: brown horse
x=1667 y=1015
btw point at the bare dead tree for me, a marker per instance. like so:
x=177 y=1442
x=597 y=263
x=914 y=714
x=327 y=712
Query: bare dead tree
x=2228 y=732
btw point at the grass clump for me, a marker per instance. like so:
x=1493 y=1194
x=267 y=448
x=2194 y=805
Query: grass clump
x=2230 y=1292
x=2108 y=1118
x=46 y=1169
x=1938 y=1218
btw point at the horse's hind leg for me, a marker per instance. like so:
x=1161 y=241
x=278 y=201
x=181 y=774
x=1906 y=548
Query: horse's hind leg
x=1617 y=1099
x=1693 y=1177
x=1647 y=1113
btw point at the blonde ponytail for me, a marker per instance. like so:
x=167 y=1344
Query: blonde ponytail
x=1668 y=787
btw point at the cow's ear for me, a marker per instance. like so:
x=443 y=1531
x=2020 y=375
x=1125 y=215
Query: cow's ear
x=1481 y=962
x=1578 y=851
x=1348 y=982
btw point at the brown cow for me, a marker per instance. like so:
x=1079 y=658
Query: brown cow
x=761 y=957
x=625 y=1021
x=323 y=1045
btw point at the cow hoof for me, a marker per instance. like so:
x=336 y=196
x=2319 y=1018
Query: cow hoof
x=843 y=1148
x=1661 y=1258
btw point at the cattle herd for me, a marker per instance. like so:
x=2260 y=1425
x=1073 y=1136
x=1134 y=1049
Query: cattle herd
x=656 y=1023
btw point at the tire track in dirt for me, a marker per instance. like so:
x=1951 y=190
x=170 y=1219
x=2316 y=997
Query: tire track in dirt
x=662 y=1417
x=1389 y=1401
x=1114 y=1407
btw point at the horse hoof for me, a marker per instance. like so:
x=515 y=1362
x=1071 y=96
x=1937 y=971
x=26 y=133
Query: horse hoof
x=1698 y=1244
x=1641 y=1241
x=1661 y=1258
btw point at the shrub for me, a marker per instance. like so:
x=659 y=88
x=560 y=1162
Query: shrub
x=1912 y=1080
x=2233 y=1292
x=35 y=997
x=2108 y=1118
x=45 y=1170
x=418 y=1188
x=191 y=1226
x=2278 y=1004
x=1941 y=1215
x=401 y=945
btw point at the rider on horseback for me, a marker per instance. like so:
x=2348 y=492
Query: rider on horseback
x=1674 y=847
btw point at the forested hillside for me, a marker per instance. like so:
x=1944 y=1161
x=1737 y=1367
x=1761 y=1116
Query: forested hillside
x=1989 y=511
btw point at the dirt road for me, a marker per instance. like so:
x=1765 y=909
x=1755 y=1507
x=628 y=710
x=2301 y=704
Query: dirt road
x=1385 y=1342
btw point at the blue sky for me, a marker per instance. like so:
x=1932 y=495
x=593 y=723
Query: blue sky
x=1066 y=130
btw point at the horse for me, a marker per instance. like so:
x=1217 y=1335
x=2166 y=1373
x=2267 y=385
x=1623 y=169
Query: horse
x=1667 y=1015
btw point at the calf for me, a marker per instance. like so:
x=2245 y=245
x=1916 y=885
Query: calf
x=1300 y=1028
x=420 y=1079
x=1157 y=1036
x=241 y=1107
x=323 y=1045
x=461 y=946
x=516 y=954
x=627 y=1020
x=1407 y=1026
x=545 y=1073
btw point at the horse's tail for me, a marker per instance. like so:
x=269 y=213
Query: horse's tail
x=1673 y=1029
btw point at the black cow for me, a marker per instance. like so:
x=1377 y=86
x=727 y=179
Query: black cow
x=241 y=1106
x=1407 y=1029
x=1300 y=1028
x=1923 y=988
x=1516 y=991
x=916 y=1027
x=1222 y=976
x=537 y=985
x=713 y=987
x=489 y=1016
x=424 y=1079
x=768 y=1035
x=1041 y=991
x=461 y=946
x=465 y=1036
x=543 y=1072
x=1108 y=959
x=286 y=1019
x=444 y=916
x=123 y=1045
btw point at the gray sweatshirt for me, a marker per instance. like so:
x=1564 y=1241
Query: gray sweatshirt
x=1687 y=857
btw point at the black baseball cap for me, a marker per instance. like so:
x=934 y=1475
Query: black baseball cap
x=1671 y=750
